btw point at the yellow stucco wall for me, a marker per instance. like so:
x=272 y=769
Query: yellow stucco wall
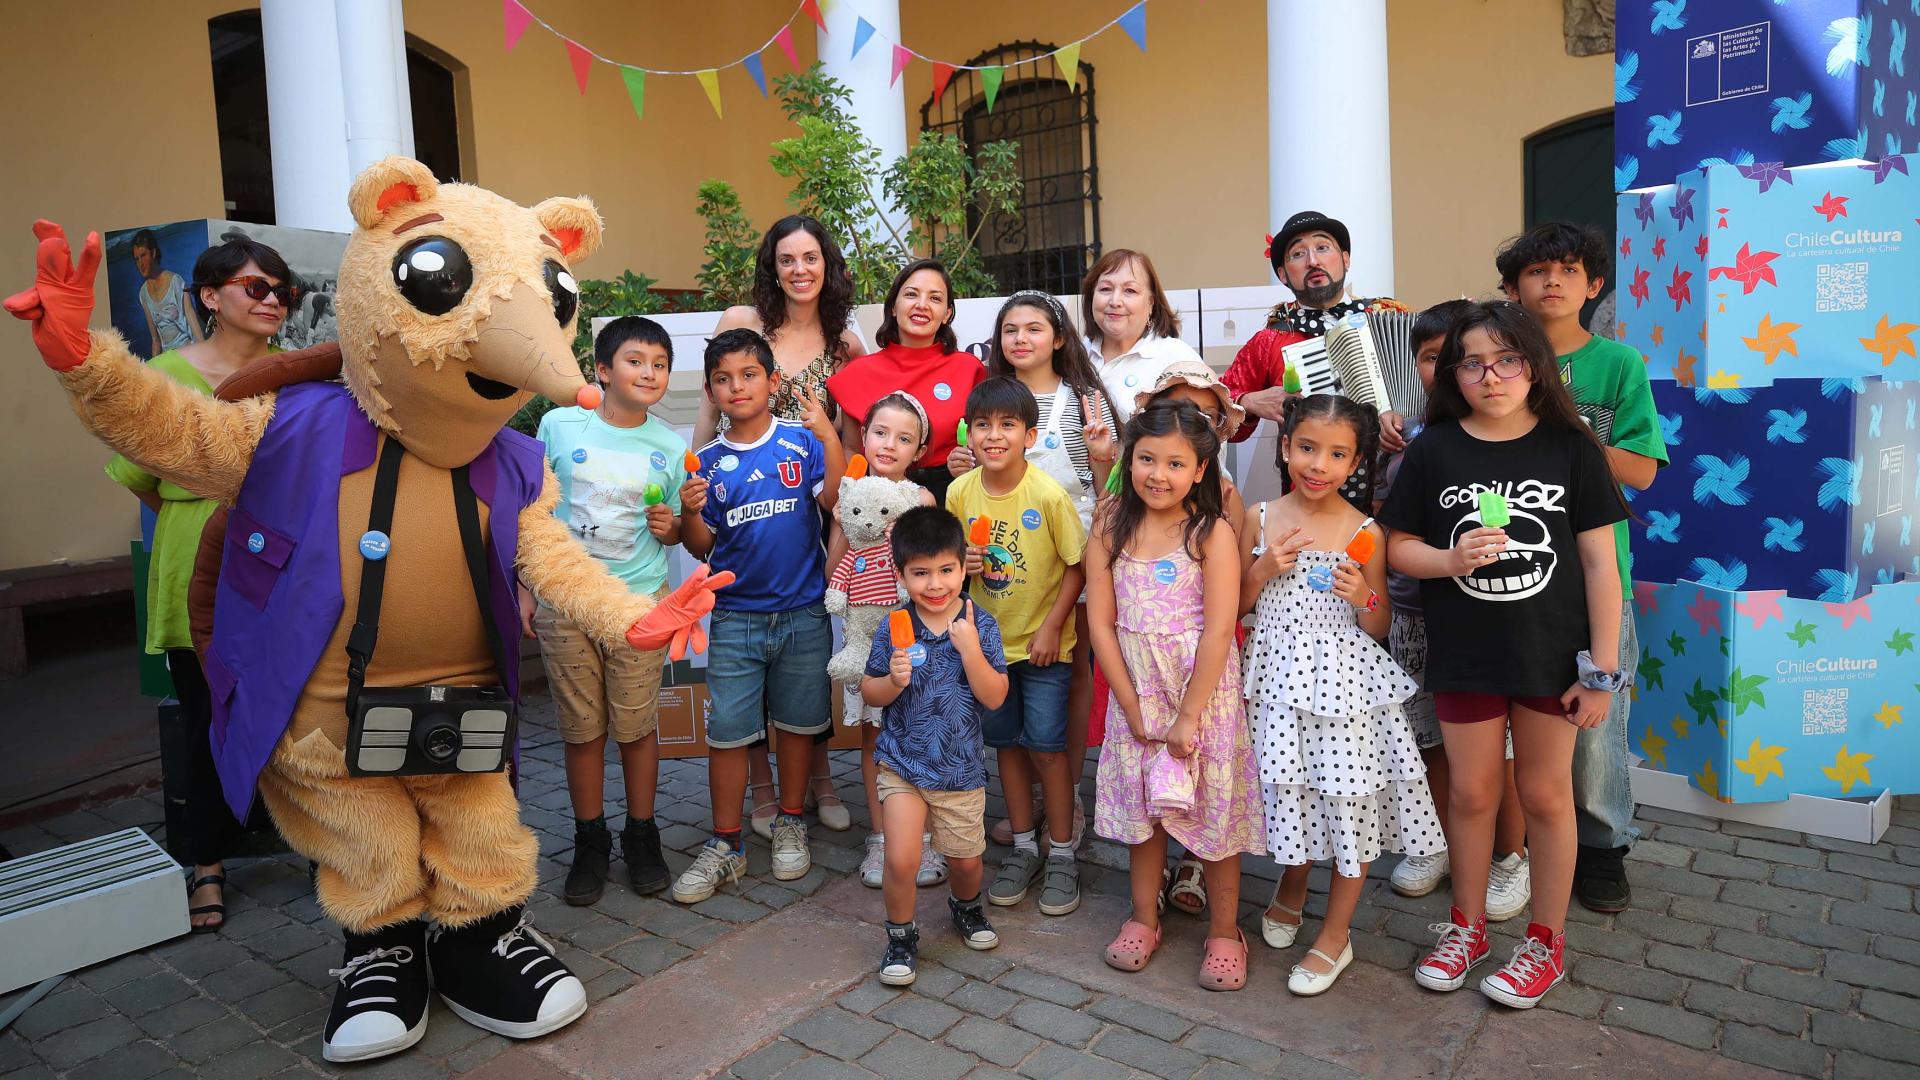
x=129 y=139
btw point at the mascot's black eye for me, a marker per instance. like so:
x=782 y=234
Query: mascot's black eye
x=565 y=290
x=433 y=273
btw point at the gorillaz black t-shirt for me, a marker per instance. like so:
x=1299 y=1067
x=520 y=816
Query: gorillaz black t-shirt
x=1512 y=626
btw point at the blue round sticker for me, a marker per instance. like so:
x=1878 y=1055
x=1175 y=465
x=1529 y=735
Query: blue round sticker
x=256 y=543
x=374 y=544
x=1164 y=571
x=1133 y=380
x=1030 y=518
x=916 y=654
x=859 y=564
x=659 y=460
x=579 y=456
x=1320 y=578
x=1053 y=441
x=942 y=391
x=729 y=463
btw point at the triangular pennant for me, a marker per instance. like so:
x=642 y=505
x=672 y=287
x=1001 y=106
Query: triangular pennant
x=813 y=9
x=902 y=56
x=1068 y=60
x=1134 y=22
x=582 y=61
x=990 y=82
x=862 y=30
x=636 y=88
x=942 y=75
x=710 y=82
x=758 y=70
x=784 y=39
x=517 y=19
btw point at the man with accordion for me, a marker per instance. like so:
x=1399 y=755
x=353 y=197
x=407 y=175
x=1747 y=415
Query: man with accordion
x=1358 y=347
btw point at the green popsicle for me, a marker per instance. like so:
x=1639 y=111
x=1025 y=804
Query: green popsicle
x=960 y=433
x=1290 y=382
x=654 y=494
x=1493 y=510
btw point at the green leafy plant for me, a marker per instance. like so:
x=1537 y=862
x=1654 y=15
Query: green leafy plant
x=628 y=294
x=726 y=277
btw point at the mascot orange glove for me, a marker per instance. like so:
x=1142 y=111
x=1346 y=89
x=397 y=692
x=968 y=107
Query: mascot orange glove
x=61 y=300
x=674 y=622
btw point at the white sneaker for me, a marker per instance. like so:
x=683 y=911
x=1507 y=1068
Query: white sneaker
x=1418 y=875
x=717 y=862
x=790 y=856
x=873 y=867
x=933 y=865
x=1509 y=887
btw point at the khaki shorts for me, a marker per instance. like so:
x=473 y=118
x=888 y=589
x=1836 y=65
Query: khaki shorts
x=957 y=819
x=595 y=693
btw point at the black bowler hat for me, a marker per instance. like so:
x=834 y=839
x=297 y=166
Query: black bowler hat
x=1306 y=221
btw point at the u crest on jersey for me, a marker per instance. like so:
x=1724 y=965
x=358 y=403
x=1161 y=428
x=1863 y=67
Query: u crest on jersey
x=790 y=473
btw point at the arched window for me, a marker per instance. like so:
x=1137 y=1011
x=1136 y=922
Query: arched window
x=1569 y=177
x=1056 y=237
x=240 y=111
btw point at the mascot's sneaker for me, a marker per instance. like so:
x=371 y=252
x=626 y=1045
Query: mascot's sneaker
x=380 y=1006
x=500 y=975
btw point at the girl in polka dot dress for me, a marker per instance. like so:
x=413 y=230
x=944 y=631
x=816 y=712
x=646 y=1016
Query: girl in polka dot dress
x=1340 y=774
x=1162 y=585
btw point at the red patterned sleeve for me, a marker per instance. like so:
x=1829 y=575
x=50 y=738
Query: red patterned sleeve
x=1257 y=366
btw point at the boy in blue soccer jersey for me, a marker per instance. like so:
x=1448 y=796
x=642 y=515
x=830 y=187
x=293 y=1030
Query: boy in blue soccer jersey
x=755 y=509
x=930 y=753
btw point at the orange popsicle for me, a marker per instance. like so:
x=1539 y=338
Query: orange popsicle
x=981 y=532
x=692 y=462
x=900 y=627
x=856 y=466
x=1361 y=549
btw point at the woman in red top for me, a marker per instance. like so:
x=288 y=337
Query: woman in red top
x=920 y=355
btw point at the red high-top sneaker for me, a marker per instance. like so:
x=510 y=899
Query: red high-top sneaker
x=1537 y=966
x=1461 y=947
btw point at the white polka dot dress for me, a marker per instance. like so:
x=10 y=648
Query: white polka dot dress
x=1340 y=774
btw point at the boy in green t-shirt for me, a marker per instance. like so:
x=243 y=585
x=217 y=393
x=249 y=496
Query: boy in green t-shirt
x=1551 y=270
x=1026 y=573
x=620 y=472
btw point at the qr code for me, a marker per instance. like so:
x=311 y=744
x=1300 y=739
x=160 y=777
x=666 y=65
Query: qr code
x=1824 y=712
x=1840 y=287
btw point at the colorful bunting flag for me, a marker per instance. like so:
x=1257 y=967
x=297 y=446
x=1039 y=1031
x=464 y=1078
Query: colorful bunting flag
x=710 y=82
x=1068 y=60
x=517 y=19
x=990 y=82
x=582 y=61
x=1134 y=22
x=636 y=79
x=784 y=39
x=862 y=30
x=757 y=70
x=901 y=58
x=812 y=8
x=942 y=75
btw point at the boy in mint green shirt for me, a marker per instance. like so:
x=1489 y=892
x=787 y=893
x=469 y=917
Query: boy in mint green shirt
x=1551 y=270
x=620 y=472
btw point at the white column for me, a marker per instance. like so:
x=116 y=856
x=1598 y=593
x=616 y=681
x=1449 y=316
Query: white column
x=1327 y=126
x=879 y=108
x=306 y=112
x=336 y=101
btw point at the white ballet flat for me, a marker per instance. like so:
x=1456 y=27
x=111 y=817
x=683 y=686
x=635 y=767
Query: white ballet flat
x=1279 y=935
x=1304 y=983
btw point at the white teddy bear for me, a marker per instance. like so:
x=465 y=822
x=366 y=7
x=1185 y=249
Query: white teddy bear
x=863 y=587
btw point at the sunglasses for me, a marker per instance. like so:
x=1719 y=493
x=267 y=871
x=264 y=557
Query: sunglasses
x=259 y=288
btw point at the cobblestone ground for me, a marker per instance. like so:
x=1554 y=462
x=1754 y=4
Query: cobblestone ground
x=1744 y=945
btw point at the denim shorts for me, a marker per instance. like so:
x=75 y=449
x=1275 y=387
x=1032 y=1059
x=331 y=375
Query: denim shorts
x=768 y=666
x=1034 y=716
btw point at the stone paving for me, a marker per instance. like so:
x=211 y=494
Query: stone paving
x=1747 y=950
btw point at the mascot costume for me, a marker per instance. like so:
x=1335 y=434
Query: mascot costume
x=385 y=766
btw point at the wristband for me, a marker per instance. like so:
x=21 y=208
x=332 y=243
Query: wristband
x=1592 y=678
x=1373 y=602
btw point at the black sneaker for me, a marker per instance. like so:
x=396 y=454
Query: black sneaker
x=971 y=920
x=587 y=877
x=1600 y=879
x=646 y=866
x=898 y=967
x=500 y=975
x=380 y=1006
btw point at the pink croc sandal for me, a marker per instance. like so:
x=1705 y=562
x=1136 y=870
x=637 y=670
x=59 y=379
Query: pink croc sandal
x=1135 y=946
x=1225 y=965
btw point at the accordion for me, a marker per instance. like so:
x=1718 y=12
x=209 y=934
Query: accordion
x=1367 y=357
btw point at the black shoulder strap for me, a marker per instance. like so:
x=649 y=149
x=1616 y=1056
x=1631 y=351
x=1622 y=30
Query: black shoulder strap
x=373 y=572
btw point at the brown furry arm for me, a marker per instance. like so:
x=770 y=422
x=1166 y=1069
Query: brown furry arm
x=570 y=581
x=172 y=431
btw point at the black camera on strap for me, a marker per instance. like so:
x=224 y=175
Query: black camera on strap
x=422 y=730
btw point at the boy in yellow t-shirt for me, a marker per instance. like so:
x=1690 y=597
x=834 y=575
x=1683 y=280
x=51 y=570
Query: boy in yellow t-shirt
x=1025 y=566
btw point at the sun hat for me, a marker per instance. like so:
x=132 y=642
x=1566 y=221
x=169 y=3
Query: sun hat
x=1197 y=374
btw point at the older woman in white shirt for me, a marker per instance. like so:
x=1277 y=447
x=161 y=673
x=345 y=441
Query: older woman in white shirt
x=1132 y=330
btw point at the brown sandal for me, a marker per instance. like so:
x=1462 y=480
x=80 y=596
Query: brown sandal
x=1225 y=965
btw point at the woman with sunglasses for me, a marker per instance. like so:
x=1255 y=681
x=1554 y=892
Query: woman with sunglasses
x=242 y=292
